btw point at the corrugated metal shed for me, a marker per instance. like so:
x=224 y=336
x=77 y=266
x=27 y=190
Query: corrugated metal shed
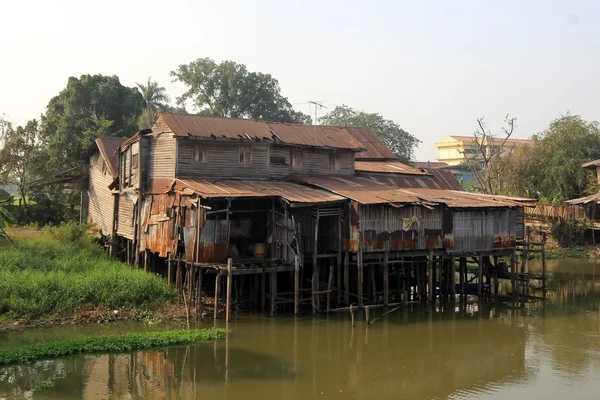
x=375 y=149
x=291 y=192
x=211 y=127
x=367 y=191
x=108 y=147
x=391 y=167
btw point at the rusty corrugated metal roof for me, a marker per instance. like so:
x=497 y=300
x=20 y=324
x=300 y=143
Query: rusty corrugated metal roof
x=391 y=167
x=594 y=198
x=446 y=179
x=425 y=181
x=374 y=147
x=108 y=147
x=294 y=193
x=211 y=127
x=367 y=191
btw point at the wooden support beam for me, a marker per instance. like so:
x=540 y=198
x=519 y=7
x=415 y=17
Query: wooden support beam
x=263 y=290
x=430 y=272
x=229 y=282
x=360 y=277
x=313 y=284
x=452 y=273
x=296 y=284
x=216 y=305
x=386 y=283
x=346 y=278
x=480 y=275
x=329 y=287
x=339 y=260
x=273 y=293
x=544 y=259
x=315 y=259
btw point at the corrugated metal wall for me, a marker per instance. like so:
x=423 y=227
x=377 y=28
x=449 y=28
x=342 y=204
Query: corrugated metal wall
x=484 y=230
x=100 y=199
x=161 y=160
x=222 y=161
x=405 y=228
x=283 y=236
x=125 y=219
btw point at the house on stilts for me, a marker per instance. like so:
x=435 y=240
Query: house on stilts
x=321 y=216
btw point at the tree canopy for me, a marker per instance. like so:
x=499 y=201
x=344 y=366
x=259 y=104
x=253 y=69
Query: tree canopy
x=228 y=89
x=89 y=107
x=155 y=98
x=402 y=143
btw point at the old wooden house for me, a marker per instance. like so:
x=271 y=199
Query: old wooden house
x=245 y=197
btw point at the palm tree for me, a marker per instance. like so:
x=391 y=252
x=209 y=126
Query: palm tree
x=155 y=98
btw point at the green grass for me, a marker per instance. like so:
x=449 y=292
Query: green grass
x=57 y=274
x=108 y=344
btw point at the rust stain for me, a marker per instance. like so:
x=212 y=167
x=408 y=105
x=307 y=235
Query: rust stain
x=403 y=240
x=448 y=241
x=433 y=238
x=503 y=241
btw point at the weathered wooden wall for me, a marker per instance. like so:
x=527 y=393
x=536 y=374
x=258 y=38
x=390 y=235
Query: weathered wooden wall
x=125 y=218
x=161 y=157
x=222 y=160
x=484 y=229
x=100 y=199
x=314 y=162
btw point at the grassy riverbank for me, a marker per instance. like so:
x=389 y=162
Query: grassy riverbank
x=108 y=344
x=63 y=272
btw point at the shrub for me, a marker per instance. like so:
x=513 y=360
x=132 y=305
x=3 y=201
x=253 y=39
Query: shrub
x=569 y=232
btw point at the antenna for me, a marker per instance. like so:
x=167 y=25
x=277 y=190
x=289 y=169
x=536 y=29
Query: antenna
x=317 y=106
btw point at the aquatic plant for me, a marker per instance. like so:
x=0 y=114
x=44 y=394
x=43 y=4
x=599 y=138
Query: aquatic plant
x=44 y=386
x=108 y=344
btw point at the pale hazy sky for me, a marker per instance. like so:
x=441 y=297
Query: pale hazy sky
x=432 y=66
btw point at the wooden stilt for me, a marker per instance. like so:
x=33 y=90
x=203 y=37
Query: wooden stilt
x=273 y=293
x=178 y=276
x=452 y=273
x=462 y=264
x=346 y=278
x=417 y=288
x=169 y=275
x=359 y=278
x=315 y=264
x=229 y=282
x=339 y=261
x=217 y=284
x=263 y=290
x=544 y=259
x=329 y=287
x=480 y=276
x=313 y=284
x=430 y=272
x=386 y=283
x=296 y=284
x=372 y=283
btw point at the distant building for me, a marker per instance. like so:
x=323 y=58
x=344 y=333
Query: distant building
x=454 y=149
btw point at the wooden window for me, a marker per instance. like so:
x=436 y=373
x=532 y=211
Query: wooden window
x=296 y=158
x=135 y=152
x=245 y=154
x=199 y=154
x=334 y=161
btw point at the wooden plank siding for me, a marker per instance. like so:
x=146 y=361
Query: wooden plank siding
x=316 y=162
x=125 y=221
x=161 y=157
x=222 y=160
x=100 y=199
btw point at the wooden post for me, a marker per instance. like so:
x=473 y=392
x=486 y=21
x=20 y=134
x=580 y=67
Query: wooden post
x=461 y=266
x=359 y=269
x=339 y=260
x=346 y=278
x=480 y=275
x=229 y=282
x=373 y=283
x=169 y=262
x=386 y=283
x=178 y=277
x=296 y=284
x=430 y=272
x=313 y=285
x=418 y=292
x=352 y=315
x=329 y=287
x=273 y=293
x=367 y=315
x=263 y=291
x=453 y=278
x=315 y=261
x=544 y=259
x=217 y=284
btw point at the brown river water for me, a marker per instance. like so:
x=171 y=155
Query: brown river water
x=546 y=350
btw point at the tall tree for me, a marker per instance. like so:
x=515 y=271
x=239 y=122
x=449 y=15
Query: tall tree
x=18 y=155
x=568 y=142
x=155 y=99
x=228 y=89
x=402 y=143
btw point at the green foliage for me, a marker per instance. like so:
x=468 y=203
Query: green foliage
x=563 y=147
x=53 y=276
x=228 y=89
x=88 y=108
x=44 y=386
x=69 y=233
x=155 y=99
x=402 y=143
x=108 y=344
x=568 y=232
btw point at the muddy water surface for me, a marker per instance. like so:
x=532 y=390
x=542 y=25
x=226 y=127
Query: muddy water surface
x=547 y=350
